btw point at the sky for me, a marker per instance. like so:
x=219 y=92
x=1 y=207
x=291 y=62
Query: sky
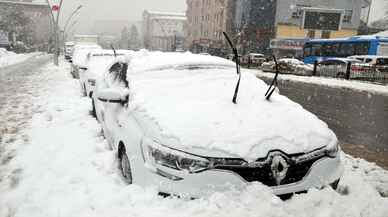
x=131 y=10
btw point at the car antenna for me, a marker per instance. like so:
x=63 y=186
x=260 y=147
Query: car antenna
x=274 y=82
x=114 y=50
x=237 y=67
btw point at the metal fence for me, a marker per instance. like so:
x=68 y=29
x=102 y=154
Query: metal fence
x=352 y=71
x=348 y=71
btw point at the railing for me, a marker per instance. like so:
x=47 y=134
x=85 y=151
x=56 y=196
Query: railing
x=348 y=71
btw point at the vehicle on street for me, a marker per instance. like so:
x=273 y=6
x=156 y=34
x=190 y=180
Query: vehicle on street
x=378 y=63
x=79 y=55
x=68 y=49
x=96 y=63
x=289 y=66
x=337 y=67
x=171 y=119
x=253 y=59
x=4 y=42
x=322 y=49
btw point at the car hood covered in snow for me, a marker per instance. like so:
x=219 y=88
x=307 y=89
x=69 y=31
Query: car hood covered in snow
x=194 y=106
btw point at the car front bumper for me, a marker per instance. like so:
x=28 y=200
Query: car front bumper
x=322 y=173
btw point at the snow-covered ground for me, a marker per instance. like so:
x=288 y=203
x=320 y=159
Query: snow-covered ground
x=63 y=167
x=8 y=58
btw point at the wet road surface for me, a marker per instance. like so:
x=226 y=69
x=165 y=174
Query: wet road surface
x=359 y=118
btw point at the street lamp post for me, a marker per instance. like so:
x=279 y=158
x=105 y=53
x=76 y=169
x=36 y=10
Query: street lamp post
x=56 y=29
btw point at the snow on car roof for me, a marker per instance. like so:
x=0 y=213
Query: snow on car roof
x=146 y=61
x=195 y=107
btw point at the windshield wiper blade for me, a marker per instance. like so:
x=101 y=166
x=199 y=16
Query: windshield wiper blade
x=237 y=67
x=274 y=83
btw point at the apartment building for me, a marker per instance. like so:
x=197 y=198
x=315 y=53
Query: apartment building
x=164 y=31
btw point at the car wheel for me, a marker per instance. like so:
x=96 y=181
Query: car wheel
x=340 y=75
x=124 y=165
x=94 y=114
x=84 y=90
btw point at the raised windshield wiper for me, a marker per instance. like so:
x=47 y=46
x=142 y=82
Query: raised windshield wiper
x=237 y=67
x=114 y=50
x=274 y=82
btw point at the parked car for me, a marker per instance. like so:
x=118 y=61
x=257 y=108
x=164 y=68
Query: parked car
x=289 y=66
x=336 y=67
x=379 y=63
x=78 y=60
x=67 y=49
x=171 y=119
x=253 y=59
x=96 y=63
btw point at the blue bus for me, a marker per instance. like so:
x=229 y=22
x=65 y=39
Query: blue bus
x=321 y=49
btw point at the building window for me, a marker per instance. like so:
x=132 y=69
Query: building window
x=299 y=11
x=348 y=16
x=325 y=34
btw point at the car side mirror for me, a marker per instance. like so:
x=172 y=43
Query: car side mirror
x=113 y=95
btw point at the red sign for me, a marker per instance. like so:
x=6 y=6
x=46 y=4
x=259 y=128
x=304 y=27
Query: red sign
x=55 y=8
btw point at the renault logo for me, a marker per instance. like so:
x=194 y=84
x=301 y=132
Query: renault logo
x=279 y=168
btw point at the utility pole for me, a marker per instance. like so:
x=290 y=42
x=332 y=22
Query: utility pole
x=56 y=28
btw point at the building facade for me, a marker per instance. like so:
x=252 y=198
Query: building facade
x=39 y=27
x=163 y=31
x=206 y=20
x=263 y=26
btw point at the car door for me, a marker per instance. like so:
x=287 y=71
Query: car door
x=116 y=78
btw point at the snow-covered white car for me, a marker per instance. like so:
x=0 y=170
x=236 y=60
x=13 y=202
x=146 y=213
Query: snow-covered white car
x=289 y=66
x=96 y=63
x=171 y=119
x=79 y=55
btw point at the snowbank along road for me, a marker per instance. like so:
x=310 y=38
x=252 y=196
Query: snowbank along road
x=62 y=166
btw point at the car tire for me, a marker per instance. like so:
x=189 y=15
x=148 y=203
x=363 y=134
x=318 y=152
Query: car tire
x=340 y=75
x=124 y=164
x=84 y=90
x=93 y=113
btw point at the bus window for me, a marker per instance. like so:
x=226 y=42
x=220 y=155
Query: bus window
x=316 y=50
x=330 y=50
x=346 y=49
x=361 y=48
x=307 y=50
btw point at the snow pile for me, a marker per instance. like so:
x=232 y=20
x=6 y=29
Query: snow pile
x=64 y=168
x=8 y=58
x=195 y=106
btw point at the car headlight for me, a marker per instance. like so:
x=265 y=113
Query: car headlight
x=158 y=155
x=92 y=82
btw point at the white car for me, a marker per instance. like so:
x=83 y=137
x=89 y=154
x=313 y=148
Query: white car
x=171 y=119
x=96 y=63
x=79 y=55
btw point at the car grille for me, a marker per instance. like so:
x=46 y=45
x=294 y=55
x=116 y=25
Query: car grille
x=263 y=174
